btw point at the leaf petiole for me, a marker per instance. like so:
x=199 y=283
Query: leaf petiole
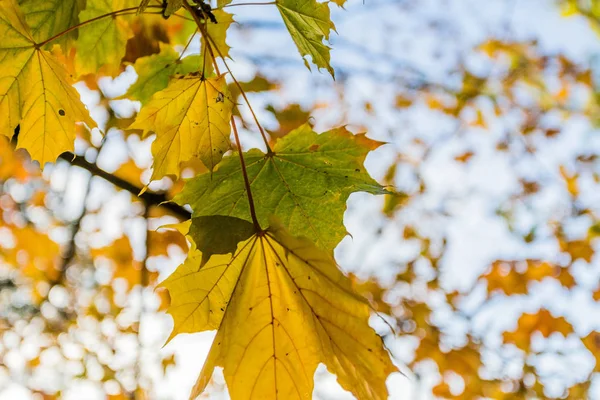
x=245 y=4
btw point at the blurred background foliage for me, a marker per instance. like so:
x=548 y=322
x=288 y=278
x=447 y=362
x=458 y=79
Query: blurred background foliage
x=482 y=263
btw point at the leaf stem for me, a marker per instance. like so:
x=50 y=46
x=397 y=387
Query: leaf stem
x=243 y=93
x=187 y=45
x=89 y=21
x=204 y=33
x=245 y=4
x=245 y=174
x=202 y=29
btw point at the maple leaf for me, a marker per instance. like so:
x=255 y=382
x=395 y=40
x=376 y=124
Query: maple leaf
x=191 y=118
x=102 y=42
x=50 y=17
x=305 y=182
x=155 y=71
x=542 y=322
x=577 y=249
x=308 y=22
x=592 y=343
x=505 y=277
x=280 y=306
x=218 y=32
x=289 y=118
x=35 y=91
x=218 y=234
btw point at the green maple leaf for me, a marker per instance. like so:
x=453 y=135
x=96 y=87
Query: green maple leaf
x=305 y=183
x=308 y=22
x=102 y=42
x=155 y=71
x=50 y=17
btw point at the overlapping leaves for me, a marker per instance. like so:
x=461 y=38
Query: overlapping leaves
x=155 y=71
x=48 y=18
x=190 y=118
x=279 y=303
x=305 y=182
x=102 y=43
x=280 y=306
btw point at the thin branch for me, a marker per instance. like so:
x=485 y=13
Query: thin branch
x=148 y=197
x=79 y=25
x=245 y=4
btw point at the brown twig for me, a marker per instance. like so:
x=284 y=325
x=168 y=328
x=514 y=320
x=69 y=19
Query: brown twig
x=148 y=197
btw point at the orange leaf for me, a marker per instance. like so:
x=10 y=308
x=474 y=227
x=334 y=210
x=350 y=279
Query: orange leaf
x=542 y=322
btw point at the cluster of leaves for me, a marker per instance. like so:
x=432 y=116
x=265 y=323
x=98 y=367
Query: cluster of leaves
x=538 y=94
x=260 y=269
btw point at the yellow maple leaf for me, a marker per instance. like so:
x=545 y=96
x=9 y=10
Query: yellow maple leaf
x=281 y=307
x=577 y=249
x=513 y=277
x=218 y=32
x=35 y=91
x=592 y=343
x=190 y=118
x=102 y=44
x=542 y=322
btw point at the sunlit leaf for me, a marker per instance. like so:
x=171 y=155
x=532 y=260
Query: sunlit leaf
x=155 y=71
x=514 y=277
x=191 y=119
x=305 y=183
x=218 y=32
x=51 y=17
x=35 y=92
x=280 y=307
x=102 y=42
x=542 y=322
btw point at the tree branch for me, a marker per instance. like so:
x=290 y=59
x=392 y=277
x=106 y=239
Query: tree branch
x=149 y=198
